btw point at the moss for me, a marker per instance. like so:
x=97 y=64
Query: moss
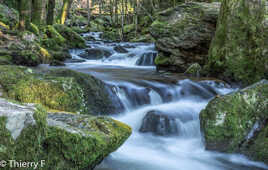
x=81 y=143
x=5 y=60
x=94 y=91
x=227 y=120
x=4 y=25
x=74 y=40
x=161 y=60
x=8 y=16
x=239 y=49
x=34 y=29
x=59 y=93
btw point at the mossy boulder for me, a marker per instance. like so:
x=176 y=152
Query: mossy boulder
x=59 y=89
x=74 y=40
x=62 y=140
x=240 y=48
x=183 y=34
x=194 y=70
x=5 y=60
x=238 y=122
x=9 y=16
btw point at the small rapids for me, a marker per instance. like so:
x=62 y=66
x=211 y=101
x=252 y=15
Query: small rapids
x=153 y=104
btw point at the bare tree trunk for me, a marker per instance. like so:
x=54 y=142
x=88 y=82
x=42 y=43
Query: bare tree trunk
x=122 y=19
x=25 y=14
x=50 y=12
x=88 y=12
x=38 y=11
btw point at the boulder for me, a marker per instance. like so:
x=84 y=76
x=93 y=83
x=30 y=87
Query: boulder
x=147 y=59
x=59 y=89
x=159 y=124
x=194 y=70
x=120 y=49
x=74 y=40
x=61 y=140
x=239 y=49
x=183 y=35
x=95 y=54
x=238 y=122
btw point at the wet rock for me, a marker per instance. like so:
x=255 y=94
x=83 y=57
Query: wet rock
x=237 y=122
x=159 y=124
x=201 y=90
x=120 y=49
x=95 y=54
x=74 y=61
x=86 y=140
x=147 y=59
x=57 y=63
x=183 y=35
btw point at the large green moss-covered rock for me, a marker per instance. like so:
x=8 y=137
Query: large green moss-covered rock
x=238 y=122
x=240 y=48
x=57 y=140
x=58 y=89
x=183 y=35
x=74 y=40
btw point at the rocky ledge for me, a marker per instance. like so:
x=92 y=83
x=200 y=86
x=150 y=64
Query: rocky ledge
x=30 y=133
x=238 y=122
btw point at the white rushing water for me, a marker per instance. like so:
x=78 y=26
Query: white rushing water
x=140 y=91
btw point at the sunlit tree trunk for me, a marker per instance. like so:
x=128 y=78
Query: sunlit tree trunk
x=65 y=10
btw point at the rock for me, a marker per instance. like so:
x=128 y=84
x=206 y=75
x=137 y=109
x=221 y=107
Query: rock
x=58 y=89
x=159 y=124
x=57 y=63
x=238 y=122
x=5 y=60
x=240 y=22
x=183 y=35
x=194 y=70
x=147 y=59
x=120 y=49
x=74 y=40
x=95 y=54
x=74 y=60
x=79 y=141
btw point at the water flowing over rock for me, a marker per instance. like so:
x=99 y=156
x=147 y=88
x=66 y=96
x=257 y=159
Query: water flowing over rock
x=93 y=54
x=120 y=49
x=147 y=59
x=34 y=134
x=237 y=122
x=160 y=124
x=183 y=35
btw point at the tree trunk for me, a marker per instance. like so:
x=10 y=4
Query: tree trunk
x=24 y=14
x=65 y=10
x=88 y=12
x=50 y=12
x=37 y=11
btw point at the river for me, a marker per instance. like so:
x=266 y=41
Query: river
x=170 y=139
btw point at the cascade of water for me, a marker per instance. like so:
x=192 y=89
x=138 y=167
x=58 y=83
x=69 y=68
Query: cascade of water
x=164 y=115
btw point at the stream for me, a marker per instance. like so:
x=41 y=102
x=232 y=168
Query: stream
x=163 y=110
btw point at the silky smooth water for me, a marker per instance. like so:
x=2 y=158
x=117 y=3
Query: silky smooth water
x=140 y=90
